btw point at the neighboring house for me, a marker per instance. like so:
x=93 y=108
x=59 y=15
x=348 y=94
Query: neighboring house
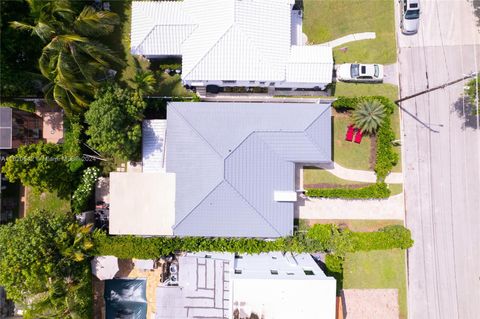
x=229 y=170
x=231 y=42
x=18 y=127
x=270 y=286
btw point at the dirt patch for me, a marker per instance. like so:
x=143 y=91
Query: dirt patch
x=370 y=303
x=373 y=151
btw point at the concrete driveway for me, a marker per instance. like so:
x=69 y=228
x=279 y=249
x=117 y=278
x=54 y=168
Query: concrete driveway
x=441 y=145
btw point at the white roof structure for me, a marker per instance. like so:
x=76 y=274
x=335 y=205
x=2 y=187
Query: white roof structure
x=241 y=40
x=134 y=211
x=153 y=145
x=220 y=285
x=282 y=286
x=104 y=267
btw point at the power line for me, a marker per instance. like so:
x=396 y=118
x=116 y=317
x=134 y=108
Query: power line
x=473 y=74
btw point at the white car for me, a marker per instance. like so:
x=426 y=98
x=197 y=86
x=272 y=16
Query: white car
x=356 y=72
x=410 y=16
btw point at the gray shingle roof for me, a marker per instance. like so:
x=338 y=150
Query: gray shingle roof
x=229 y=158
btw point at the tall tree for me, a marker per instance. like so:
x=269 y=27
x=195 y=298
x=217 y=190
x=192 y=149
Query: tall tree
x=114 y=122
x=73 y=59
x=144 y=82
x=43 y=258
x=41 y=166
x=368 y=116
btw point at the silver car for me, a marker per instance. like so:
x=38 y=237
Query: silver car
x=410 y=16
x=356 y=72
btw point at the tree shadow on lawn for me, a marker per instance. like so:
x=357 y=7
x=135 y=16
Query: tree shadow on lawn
x=464 y=108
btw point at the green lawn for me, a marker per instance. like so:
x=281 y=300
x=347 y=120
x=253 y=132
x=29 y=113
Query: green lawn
x=388 y=90
x=312 y=175
x=366 y=89
x=326 y=20
x=349 y=154
x=377 y=269
x=46 y=201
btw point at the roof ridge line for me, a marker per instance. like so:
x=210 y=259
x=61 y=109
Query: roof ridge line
x=197 y=132
x=253 y=207
x=210 y=49
x=194 y=207
x=310 y=125
x=157 y=25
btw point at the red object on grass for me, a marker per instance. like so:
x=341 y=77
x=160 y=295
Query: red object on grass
x=349 y=136
x=358 y=136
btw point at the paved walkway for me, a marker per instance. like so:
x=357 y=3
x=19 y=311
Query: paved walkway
x=359 y=175
x=350 y=38
x=390 y=74
x=327 y=208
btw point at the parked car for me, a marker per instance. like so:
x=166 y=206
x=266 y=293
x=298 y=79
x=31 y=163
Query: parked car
x=410 y=16
x=355 y=72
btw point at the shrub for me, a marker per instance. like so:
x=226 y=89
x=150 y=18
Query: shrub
x=344 y=104
x=378 y=190
x=334 y=268
x=389 y=237
x=84 y=190
x=28 y=106
x=386 y=156
x=327 y=238
x=72 y=143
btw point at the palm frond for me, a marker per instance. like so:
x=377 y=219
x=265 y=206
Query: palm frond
x=95 y=23
x=368 y=116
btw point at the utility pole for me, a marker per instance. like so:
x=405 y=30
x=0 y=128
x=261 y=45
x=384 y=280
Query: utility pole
x=473 y=74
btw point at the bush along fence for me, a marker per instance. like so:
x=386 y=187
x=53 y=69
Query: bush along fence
x=320 y=238
x=84 y=191
x=386 y=158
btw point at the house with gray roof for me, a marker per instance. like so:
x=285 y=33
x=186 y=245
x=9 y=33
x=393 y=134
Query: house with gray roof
x=235 y=164
x=220 y=170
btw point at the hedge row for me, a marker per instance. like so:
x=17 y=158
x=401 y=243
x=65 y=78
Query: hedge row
x=27 y=106
x=327 y=238
x=345 y=104
x=378 y=190
x=386 y=156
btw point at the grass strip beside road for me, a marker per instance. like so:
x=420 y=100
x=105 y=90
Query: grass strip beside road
x=377 y=269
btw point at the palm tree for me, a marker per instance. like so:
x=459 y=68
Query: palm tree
x=144 y=82
x=368 y=116
x=72 y=60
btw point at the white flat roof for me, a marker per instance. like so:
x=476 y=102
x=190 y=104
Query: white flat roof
x=142 y=203
x=285 y=298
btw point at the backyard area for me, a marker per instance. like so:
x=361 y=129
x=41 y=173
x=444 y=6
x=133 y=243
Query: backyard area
x=46 y=201
x=377 y=269
x=326 y=20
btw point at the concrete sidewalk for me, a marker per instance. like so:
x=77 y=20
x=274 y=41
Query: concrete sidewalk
x=359 y=175
x=350 y=38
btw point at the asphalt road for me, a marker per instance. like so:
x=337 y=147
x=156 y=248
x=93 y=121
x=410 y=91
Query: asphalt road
x=441 y=145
